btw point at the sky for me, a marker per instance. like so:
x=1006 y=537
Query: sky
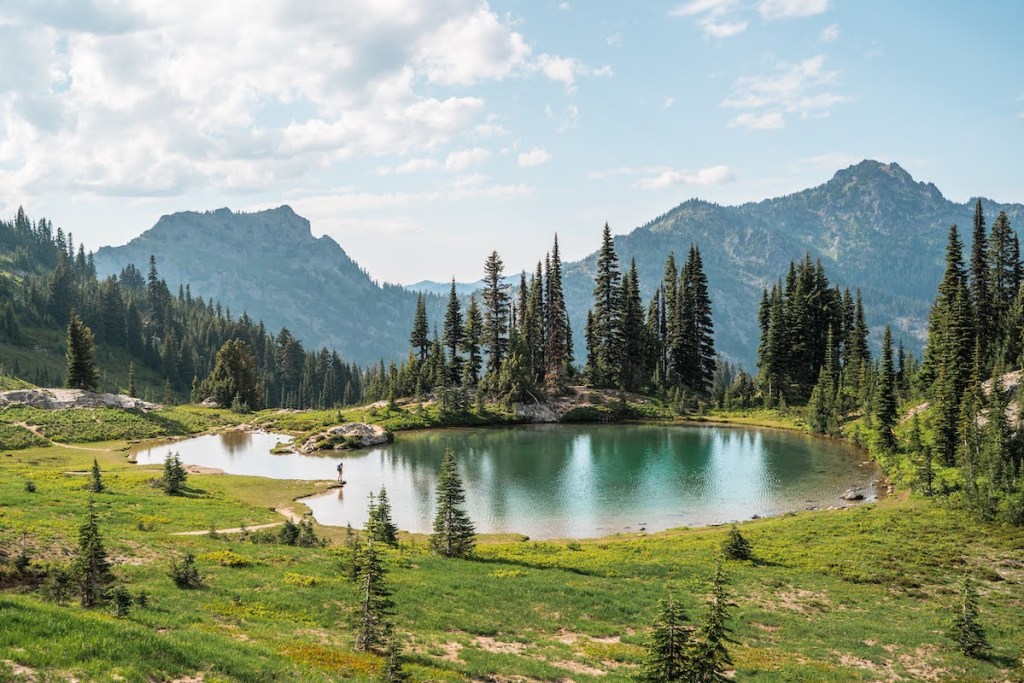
x=423 y=134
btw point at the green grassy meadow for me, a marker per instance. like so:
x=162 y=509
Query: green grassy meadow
x=861 y=594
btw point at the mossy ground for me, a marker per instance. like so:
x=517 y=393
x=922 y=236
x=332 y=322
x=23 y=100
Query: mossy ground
x=857 y=594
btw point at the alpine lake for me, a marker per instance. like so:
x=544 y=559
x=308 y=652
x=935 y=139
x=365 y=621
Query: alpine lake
x=560 y=481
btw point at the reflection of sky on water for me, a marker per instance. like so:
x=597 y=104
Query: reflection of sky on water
x=560 y=481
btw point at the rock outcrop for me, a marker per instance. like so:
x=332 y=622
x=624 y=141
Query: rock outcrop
x=60 y=399
x=346 y=437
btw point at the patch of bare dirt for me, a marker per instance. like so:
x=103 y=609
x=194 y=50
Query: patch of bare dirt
x=579 y=668
x=796 y=600
x=451 y=651
x=499 y=646
x=23 y=673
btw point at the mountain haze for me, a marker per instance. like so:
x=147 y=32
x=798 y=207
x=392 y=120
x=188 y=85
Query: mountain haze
x=872 y=225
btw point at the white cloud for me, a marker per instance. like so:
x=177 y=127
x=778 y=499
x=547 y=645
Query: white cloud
x=751 y=121
x=614 y=40
x=712 y=17
x=782 y=9
x=466 y=158
x=659 y=177
x=564 y=6
x=829 y=34
x=803 y=88
x=535 y=157
x=714 y=175
x=141 y=98
x=668 y=102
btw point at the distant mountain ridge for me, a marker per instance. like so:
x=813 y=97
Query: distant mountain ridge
x=872 y=225
x=268 y=264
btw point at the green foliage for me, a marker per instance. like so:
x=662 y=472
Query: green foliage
x=174 y=477
x=965 y=630
x=453 y=535
x=122 y=600
x=669 y=648
x=82 y=372
x=30 y=486
x=95 y=483
x=185 y=574
x=379 y=526
x=233 y=381
x=375 y=605
x=709 y=656
x=90 y=567
x=736 y=547
x=227 y=558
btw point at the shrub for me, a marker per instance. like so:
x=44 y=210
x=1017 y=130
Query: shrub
x=228 y=558
x=736 y=547
x=185 y=574
x=30 y=486
x=122 y=602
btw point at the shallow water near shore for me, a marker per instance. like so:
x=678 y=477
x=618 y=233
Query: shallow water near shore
x=561 y=481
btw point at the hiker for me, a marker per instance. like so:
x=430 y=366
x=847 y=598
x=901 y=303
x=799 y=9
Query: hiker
x=341 y=465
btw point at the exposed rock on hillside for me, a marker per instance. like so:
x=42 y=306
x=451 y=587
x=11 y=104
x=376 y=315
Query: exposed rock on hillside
x=59 y=399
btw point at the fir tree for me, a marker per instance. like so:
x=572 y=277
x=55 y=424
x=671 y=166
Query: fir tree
x=419 y=337
x=496 y=313
x=965 y=630
x=185 y=575
x=736 y=547
x=394 y=671
x=453 y=535
x=557 y=341
x=885 y=396
x=382 y=529
x=174 y=477
x=607 y=311
x=95 y=484
x=82 y=372
x=131 y=380
x=91 y=568
x=375 y=605
x=472 y=338
x=453 y=333
x=234 y=375
x=698 y=325
x=980 y=291
x=710 y=656
x=668 y=652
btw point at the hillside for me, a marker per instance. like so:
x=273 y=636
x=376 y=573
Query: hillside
x=872 y=225
x=269 y=264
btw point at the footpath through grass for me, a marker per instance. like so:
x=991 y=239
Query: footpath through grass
x=863 y=594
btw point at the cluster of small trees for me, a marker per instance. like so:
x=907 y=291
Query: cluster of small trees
x=975 y=333
x=497 y=346
x=666 y=348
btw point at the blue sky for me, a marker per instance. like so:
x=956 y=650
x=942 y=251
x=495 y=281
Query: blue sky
x=422 y=134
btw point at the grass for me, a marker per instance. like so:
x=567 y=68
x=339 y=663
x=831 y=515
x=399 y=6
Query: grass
x=857 y=594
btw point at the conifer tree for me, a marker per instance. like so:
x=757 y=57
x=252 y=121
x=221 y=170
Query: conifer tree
x=629 y=335
x=131 y=380
x=234 y=381
x=375 y=604
x=736 y=547
x=419 y=337
x=472 y=338
x=383 y=529
x=496 y=312
x=557 y=341
x=710 y=656
x=82 y=372
x=920 y=454
x=980 y=291
x=668 y=657
x=1002 y=264
x=607 y=310
x=698 y=325
x=965 y=630
x=91 y=568
x=394 y=671
x=453 y=332
x=95 y=484
x=885 y=396
x=453 y=535
x=175 y=475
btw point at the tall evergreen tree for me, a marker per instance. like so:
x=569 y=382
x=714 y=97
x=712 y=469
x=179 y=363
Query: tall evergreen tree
x=885 y=396
x=82 y=372
x=668 y=652
x=472 y=339
x=607 y=311
x=419 y=337
x=629 y=334
x=965 y=630
x=95 y=484
x=453 y=535
x=496 y=312
x=379 y=525
x=980 y=290
x=90 y=567
x=710 y=656
x=375 y=604
x=453 y=333
x=698 y=325
x=557 y=341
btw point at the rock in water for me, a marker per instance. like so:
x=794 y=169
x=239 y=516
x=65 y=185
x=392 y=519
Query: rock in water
x=853 y=494
x=347 y=436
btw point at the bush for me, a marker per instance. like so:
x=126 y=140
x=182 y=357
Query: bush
x=173 y=480
x=736 y=547
x=30 y=486
x=122 y=602
x=185 y=574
